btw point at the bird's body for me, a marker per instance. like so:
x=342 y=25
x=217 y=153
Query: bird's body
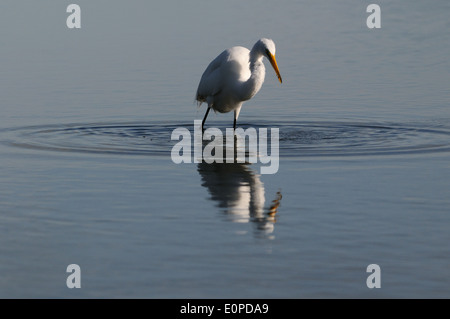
x=235 y=76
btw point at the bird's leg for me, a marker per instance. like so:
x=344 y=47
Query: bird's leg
x=234 y=130
x=204 y=118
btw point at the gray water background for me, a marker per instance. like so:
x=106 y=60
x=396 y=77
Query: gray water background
x=364 y=169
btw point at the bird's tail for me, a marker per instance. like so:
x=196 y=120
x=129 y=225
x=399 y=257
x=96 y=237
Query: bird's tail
x=199 y=99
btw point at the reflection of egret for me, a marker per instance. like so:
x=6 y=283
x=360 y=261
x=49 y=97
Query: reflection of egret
x=240 y=192
x=235 y=76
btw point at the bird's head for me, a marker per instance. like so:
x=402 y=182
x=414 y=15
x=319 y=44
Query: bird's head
x=267 y=49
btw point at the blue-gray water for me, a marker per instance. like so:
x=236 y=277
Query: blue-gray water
x=86 y=176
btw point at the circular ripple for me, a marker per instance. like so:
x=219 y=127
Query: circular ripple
x=106 y=138
x=361 y=139
x=311 y=139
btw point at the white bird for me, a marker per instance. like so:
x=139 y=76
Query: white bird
x=235 y=76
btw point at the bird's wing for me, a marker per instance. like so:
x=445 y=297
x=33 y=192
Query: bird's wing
x=225 y=71
x=211 y=81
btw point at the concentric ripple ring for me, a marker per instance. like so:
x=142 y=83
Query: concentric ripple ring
x=296 y=139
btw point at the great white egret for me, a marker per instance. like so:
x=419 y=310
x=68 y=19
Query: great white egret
x=235 y=76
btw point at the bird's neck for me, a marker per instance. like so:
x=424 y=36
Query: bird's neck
x=256 y=79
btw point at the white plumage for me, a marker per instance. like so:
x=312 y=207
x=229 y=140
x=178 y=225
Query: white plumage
x=235 y=76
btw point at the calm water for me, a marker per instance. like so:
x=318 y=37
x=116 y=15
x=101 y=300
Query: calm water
x=86 y=175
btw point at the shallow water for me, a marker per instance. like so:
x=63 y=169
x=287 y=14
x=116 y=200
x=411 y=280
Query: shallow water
x=297 y=139
x=85 y=142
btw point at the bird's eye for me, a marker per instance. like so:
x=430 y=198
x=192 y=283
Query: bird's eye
x=267 y=52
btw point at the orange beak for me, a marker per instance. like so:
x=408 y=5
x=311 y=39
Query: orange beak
x=273 y=61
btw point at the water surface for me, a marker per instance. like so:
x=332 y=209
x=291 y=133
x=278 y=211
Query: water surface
x=86 y=175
